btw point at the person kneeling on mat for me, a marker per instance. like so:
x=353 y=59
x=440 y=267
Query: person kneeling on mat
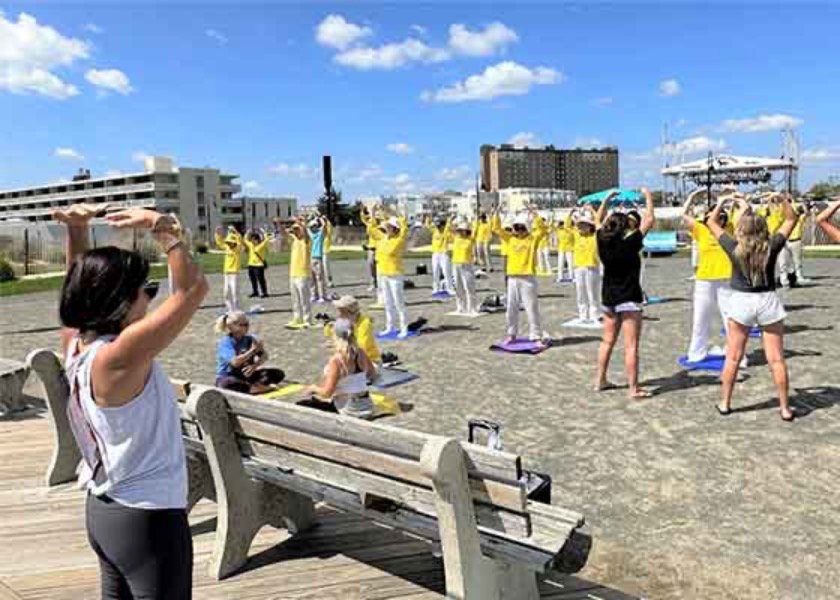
x=240 y=356
x=620 y=246
x=346 y=376
x=753 y=300
x=521 y=270
x=347 y=307
x=463 y=247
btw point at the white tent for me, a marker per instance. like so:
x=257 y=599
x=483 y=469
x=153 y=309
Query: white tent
x=729 y=163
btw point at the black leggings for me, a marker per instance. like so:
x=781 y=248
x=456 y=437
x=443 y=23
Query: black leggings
x=143 y=554
x=257 y=277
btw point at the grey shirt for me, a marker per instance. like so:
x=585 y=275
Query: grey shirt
x=739 y=281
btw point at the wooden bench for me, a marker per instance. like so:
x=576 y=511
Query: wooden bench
x=65 y=459
x=271 y=460
x=13 y=375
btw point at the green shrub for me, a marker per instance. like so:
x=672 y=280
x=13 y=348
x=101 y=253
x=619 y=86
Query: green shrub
x=7 y=273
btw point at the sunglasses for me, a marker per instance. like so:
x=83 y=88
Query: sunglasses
x=150 y=288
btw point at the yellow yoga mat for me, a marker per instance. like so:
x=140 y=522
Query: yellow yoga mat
x=384 y=404
x=286 y=390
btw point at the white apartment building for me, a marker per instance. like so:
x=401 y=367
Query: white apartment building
x=201 y=198
x=514 y=200
x=261 y=212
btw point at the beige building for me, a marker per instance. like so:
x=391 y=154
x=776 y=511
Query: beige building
x=203 y=199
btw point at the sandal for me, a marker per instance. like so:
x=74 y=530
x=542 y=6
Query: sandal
x=790 y=418
x=722 y=412
x=603 y=387
x=640 y=394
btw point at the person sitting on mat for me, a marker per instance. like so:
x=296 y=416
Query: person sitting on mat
x=463 y=246
x=256 y=241
x=619 y=247
x=753 y=300
x=240 y=358
x=347 y=307
x=232 y=245
x=587 y=266
x=484 y=235
x=826 y=221
x=300 y=271
x=521 y=270
x=346 y=376
x=565 y=249
x=390 y=247
x=441 y=232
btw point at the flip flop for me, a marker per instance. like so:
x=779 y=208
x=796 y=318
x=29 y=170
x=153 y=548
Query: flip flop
x=641 y=395
x=605 y=387
x=723 y=413
x=789 y=419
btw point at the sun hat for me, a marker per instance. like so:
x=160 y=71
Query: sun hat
x=586 y=218
x=462 y=225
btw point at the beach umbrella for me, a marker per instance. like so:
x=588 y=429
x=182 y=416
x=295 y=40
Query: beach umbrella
x=623 y=197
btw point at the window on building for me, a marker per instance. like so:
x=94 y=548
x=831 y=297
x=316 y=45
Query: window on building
x=200 y=198
x=199 y=181
x=202 y=212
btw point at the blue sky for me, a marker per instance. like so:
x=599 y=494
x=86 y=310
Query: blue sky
x=403 y=94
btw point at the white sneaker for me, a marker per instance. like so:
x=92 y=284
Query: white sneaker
x=402 y=334
x=717 y=350
x=744 y=362
x=386 y=332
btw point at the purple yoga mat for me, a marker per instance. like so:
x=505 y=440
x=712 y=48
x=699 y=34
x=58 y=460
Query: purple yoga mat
x=519 y=346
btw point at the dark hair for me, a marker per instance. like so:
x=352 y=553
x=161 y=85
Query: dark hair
x=614 y=227
x=99 y=289
x=634 y=214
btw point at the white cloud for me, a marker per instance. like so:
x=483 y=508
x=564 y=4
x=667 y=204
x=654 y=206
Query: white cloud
x=670 y=87
x=525 y=139
x=454 y=173
x=68 y=153
x=139 y=156
x=112 y=80
x=494 y=38
x=300 y=170
x=29 y=52
x=503 y=79
x=364 y=175
x=217 y=36
x=762 y=123
x=252 y=186
x=336 y=32
x=94 y=28
x=820 y=155
x=603 y=101
x=696 y=145
x=391 y=56
x=419 y=29
x=399 y=148
x=587 y=142
x=400 y=183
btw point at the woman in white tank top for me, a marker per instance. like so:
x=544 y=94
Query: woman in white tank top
x=122 y=408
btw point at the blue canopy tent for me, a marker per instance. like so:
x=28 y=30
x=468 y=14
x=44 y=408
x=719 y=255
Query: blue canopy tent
x=624 y=197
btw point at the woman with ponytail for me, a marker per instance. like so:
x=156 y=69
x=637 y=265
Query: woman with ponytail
x=753 y=300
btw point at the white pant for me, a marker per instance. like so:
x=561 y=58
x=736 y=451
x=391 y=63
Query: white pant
x=231 y=293
x=588 y=288
x=394 y=292
x=319 y=280
x=565 y=261
x=795 y=249
x=441 y=266
x=465 y=288
x=709 y=299
x=522 y=291
x=482 y=251
x=695 y=254
x=544 y=257
x=327 y=273
x=301 y=298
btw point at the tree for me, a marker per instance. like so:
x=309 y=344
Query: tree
x=823 y=190
x=343 y=214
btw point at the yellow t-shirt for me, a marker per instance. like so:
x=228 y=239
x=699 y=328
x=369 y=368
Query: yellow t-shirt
x=775 y=217
x=256 y=252
x=462 y=249
x=389 y=251
x=365 y=338
x=484 y=232
x=440 y=237
x=585 y=248
x=713 y=263
x=521 y=252
x=233 y=258
x=565 y=239
x=796 y=234
x=299 y=261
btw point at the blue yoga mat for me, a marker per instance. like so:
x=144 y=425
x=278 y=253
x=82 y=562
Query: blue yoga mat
x=393 y=336
x=755 y=332
x=654 y=300
x=713 y=362
x=442 y=295
x=389 y=377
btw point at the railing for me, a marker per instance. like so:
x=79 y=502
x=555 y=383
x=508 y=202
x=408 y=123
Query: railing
x=89 y=193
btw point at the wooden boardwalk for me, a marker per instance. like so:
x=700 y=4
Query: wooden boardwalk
x=44 y=552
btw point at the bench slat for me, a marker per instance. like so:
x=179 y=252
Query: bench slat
x=501 y=466
x=371 y=487
x=512 y=497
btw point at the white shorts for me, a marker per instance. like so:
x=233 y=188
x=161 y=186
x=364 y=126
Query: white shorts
x=757 y=309
x=624 y=307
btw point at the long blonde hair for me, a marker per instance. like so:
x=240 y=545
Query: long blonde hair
x=343 y=343
x=753 y=250
x=223 y=323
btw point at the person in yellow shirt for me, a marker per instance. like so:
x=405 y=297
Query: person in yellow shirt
x=463 y=248
x=711 y=279
x=587 y=266
x=544 y=253
x=300 y=275
x=521 y=269
x=370 y=222
x=256 y=241
x=441 y=232
x=565 y=250
x=791 y=256
x=391 y=237
x=484 y=235
x=232 y=245
x=347 y=307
